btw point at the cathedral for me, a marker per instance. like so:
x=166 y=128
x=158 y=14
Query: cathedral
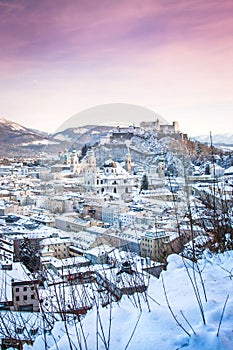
x=110 y=178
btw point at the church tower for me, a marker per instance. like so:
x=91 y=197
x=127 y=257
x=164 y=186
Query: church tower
x=128 y=158
x=74 y=167
x=90 y=171
x=91 y=161
x=161 y=168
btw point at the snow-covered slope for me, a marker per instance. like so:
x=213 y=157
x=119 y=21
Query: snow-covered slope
x=11 y=125
x=175 y=313
x=18 y=140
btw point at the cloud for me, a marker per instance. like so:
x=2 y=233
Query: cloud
x=59 y=30
x=151 y=52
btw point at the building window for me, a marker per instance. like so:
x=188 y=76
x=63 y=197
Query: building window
x=17 y=298
x=17 y=290
x=25 y=297
x=32 y=288
x=24 y=289
x=32 y=296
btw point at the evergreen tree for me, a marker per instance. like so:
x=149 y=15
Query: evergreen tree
x=29 y=254
x=207 y=169
x=144 y=183
x=84 y=150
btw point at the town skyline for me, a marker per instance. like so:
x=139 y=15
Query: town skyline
x=174 y=58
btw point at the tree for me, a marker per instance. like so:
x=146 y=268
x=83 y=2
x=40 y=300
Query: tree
x=84 y=150
x=144 y=183
x=207 y=169
x=29 y=254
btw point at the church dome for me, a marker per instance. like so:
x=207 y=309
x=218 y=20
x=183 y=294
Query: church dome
x=109 y=163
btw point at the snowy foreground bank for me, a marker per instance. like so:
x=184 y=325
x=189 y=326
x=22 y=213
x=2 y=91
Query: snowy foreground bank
x=154 y=327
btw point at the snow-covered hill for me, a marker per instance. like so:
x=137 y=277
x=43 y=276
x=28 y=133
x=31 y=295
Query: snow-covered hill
x=123 y=114
x=181 y=310
x=18 y=140
x=78 y=136
x=11 y=125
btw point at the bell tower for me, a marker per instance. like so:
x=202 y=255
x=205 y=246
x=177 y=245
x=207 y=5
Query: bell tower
x=128 y=158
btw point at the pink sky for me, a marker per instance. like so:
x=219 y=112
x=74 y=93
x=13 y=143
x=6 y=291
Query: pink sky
x=174 y=57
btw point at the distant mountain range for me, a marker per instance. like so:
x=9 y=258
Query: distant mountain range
x=16 y=140
x=217 y=140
